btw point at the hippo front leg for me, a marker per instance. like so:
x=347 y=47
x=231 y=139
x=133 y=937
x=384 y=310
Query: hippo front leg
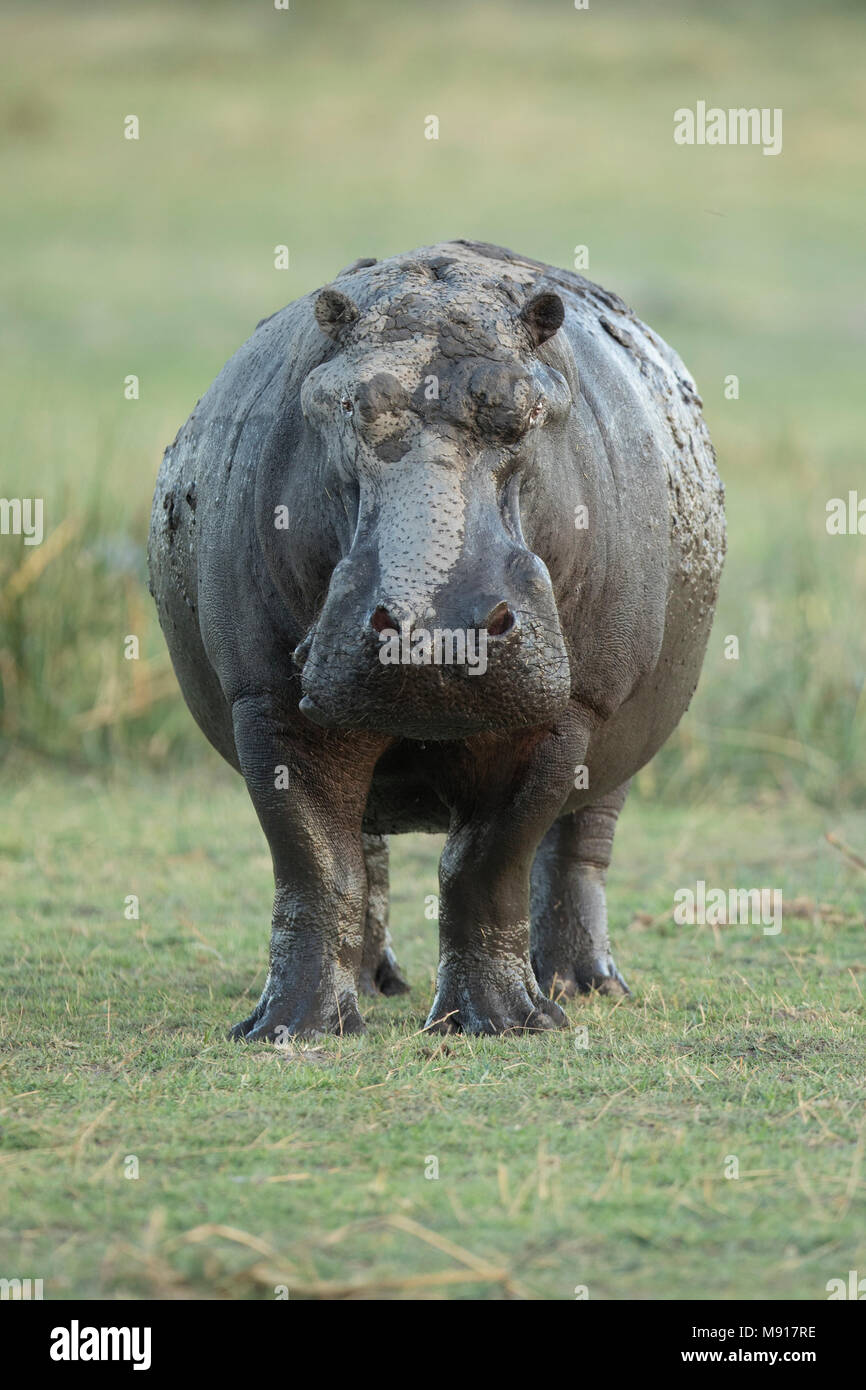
x=571 y=951
x=309 y=790
x=485 y=982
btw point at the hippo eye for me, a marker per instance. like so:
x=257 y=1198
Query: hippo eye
x=537 y=411
x=347 y=405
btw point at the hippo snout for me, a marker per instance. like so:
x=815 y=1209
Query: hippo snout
x=477 y=660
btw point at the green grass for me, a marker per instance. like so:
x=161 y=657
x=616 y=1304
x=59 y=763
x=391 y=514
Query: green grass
x=558 y=1165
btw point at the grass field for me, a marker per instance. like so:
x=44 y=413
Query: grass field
x=559 y=1165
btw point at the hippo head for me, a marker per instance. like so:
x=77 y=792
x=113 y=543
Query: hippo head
x=433 y=417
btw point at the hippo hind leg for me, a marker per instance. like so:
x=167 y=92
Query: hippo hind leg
x=570 y=943
x=380 y=973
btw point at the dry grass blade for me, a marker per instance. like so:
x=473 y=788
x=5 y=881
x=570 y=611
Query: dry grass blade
x=211 y=1231
x=846 y=850
x=265 y=1274
x=448 y=1247
x=37 y=560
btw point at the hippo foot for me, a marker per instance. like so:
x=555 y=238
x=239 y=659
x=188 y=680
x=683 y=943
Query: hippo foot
x=385 y=977
x=564 y=981
x=490 y=999
x=280 y=1015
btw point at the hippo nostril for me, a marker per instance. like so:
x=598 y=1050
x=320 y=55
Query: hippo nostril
x=381 y=620
x=500 y=620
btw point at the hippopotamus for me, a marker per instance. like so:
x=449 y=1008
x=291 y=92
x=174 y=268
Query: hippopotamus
x=457 y=443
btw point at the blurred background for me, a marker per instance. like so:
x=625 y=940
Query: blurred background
x=261 y=127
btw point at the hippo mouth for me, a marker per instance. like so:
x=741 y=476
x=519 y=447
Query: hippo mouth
x=436 y=728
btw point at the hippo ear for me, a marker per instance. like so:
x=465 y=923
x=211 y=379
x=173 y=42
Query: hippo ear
x=334 y=312
x=543 y=314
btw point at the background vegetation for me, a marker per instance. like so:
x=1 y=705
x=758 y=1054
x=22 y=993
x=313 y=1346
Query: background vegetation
x=306 y=128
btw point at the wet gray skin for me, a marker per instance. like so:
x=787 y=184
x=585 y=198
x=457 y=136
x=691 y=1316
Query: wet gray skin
x=459 y=438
